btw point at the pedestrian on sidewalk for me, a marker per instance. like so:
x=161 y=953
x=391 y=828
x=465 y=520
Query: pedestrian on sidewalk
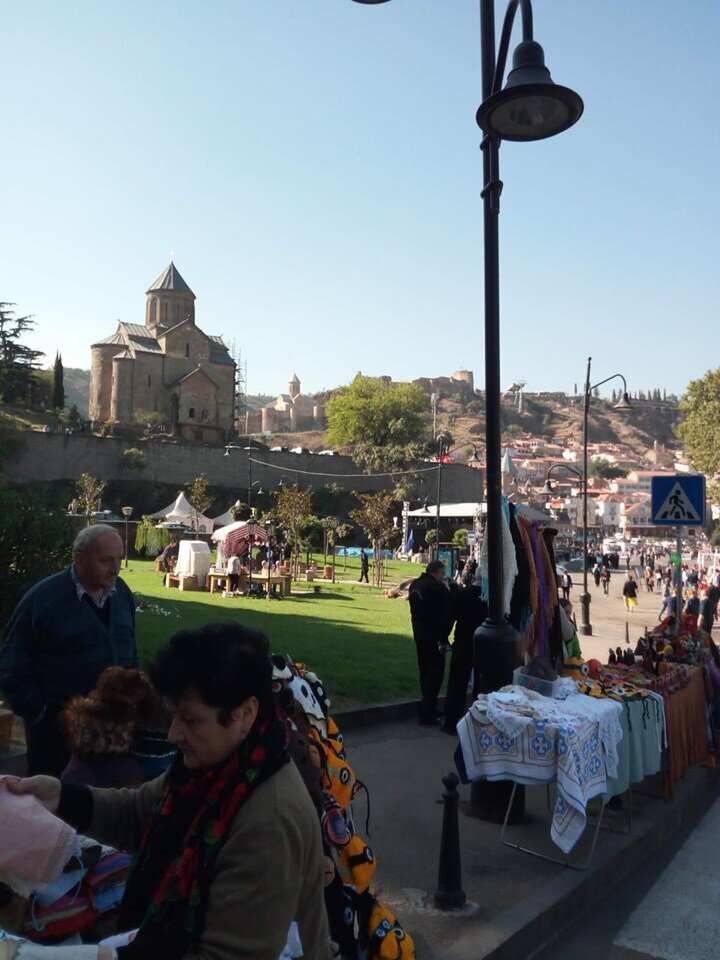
x=466 y=611
x=364 y=566
x=429 y=598
x=605 y=579
x=630 y=593
x=566 y=585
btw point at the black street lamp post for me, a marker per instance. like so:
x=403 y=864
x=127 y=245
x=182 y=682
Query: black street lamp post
x=127 y=513
x=530 y=107
x=622 y=404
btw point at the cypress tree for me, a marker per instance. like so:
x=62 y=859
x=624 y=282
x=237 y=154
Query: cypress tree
x=58 y=393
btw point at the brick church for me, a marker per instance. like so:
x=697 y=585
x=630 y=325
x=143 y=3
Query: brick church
x=167 y=365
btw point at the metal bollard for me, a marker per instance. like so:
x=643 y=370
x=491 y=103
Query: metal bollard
x=450 y=894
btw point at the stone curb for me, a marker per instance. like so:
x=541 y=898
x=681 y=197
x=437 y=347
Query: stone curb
x=376 y=713
x=524 y=929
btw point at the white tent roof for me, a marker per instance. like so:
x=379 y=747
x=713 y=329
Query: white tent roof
x=224 y=519
x=181 y=512
x=458 y=510
x=448 y=510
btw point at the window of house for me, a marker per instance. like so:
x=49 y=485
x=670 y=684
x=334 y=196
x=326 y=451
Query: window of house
x=191 y=413
x=187 y=349
x=203 y=414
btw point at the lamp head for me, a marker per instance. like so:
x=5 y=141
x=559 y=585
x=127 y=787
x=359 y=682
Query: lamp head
x=127 y=512
x=623 y=403
x=531 y=106
x=547 y=488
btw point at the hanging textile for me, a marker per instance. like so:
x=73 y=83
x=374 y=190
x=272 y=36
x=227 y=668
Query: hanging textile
x=510 y=567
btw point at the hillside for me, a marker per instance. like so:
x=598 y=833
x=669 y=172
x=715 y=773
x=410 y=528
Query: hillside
x=543 y=416
x=77 y=389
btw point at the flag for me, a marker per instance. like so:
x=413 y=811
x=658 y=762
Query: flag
x=410 y=541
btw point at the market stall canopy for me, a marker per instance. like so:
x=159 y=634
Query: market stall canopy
x=234 y=535
x=182 y=512
x=448 y=510
x=460 y=510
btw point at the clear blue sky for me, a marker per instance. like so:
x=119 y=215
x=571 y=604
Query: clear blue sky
x=314 y=166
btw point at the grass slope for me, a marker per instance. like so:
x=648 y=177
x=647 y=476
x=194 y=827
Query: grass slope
x=358 y=641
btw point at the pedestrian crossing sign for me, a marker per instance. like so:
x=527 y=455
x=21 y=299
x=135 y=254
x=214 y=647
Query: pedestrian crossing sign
x=678 y=500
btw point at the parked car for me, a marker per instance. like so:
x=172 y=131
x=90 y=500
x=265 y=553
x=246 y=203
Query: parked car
x=106 y=516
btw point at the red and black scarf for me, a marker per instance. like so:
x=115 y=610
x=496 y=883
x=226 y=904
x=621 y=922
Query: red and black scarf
x=166 y=893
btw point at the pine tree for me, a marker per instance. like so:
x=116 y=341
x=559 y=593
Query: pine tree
x=58 y=394
x=17 y=361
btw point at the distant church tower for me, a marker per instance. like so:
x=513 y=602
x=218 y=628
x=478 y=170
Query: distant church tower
x=294 y=387
x=169 y=300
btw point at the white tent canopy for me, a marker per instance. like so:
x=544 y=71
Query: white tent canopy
x=459 y=510
x=182 y=512
x=448 y=510
x=223 y=520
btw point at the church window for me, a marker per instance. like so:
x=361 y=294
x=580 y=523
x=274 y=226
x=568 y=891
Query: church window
x=191 y=413
x=187 y=349
x=177 y=313
x=149 y=380
x=165 y=312
x=203 y=414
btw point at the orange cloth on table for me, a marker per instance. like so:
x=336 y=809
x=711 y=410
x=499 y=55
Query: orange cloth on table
x=687 y=730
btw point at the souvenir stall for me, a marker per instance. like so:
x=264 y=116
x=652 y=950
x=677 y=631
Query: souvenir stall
x=593 y=730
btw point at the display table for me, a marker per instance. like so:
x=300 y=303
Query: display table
x=641 y=750
x=214 y=579
x=544 y=752
x=686 y=715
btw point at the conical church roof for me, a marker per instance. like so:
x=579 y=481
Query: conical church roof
x=170 y=279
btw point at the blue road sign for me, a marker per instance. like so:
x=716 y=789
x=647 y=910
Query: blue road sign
x=678 y=500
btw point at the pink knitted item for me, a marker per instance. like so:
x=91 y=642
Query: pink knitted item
x=35 y=845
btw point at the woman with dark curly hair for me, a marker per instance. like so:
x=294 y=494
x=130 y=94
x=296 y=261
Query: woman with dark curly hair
x=228 y=851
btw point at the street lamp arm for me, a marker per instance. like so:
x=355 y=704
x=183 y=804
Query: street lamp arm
x=564 y=466
x=504 y=47
x=607 y=380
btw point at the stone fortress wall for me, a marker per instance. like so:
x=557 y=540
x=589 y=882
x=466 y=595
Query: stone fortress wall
x=50 y=457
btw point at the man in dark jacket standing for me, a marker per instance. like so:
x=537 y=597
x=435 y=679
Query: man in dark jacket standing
x=467 y=611
x=64 y=632
x=364 y=565
x=429 y=598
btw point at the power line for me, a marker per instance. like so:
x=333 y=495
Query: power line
x=343 y=476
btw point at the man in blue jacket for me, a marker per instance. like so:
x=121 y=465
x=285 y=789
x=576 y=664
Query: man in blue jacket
x=64 y=632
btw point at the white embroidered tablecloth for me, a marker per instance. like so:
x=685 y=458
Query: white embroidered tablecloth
x=568 y=752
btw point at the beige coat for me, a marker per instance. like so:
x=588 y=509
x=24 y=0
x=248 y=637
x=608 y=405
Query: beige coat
x=268 y=873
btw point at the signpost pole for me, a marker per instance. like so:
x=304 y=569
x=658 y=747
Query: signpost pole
x=678 y=582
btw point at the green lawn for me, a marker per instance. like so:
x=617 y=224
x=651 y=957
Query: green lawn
x=359 y=642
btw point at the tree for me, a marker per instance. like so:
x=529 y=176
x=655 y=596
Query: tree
x=89 y=492
x=460 y=539
x=35 y=541
x=198 y=493
x=18 y=362
x=375 y=518
x=58 y=392
x=151 y=539
x=151 y=420
x=700 y=426
x=371 y=410
x=133 y=459
x=605 y=471
x=292 y=508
